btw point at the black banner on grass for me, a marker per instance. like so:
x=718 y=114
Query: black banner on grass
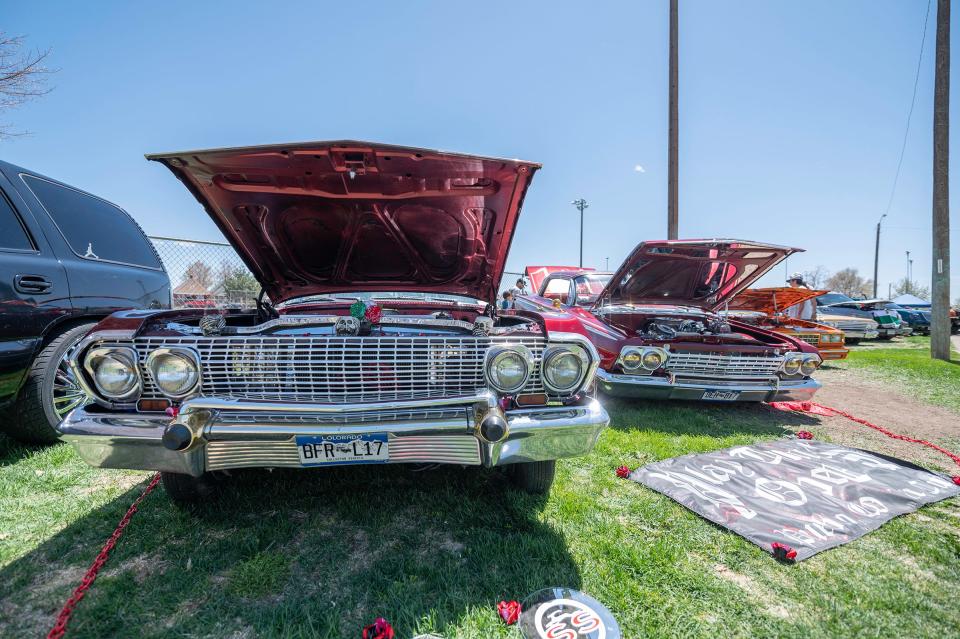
x=808 y=495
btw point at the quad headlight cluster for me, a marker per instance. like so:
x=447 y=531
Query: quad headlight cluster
x=642 y=360
x=831 y=338
x=563 y=368
x=115 y=372
x=800 y=363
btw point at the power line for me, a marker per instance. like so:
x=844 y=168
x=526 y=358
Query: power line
x=913 y=101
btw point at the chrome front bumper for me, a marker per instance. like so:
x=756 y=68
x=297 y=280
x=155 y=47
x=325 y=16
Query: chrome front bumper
x=651 y=387
x=230 y=433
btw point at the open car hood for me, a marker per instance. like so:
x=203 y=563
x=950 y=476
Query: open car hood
x=701 y=273
x=327 y=217
x=771 y=300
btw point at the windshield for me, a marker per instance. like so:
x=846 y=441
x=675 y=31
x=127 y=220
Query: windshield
x=833 y=298
x=590 y=286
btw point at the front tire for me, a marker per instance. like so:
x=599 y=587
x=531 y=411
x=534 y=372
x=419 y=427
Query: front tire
x=49 y=392
x=187 y=489
x=535 y=478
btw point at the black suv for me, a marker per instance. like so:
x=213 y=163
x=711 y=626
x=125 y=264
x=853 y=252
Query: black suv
x=67 y=260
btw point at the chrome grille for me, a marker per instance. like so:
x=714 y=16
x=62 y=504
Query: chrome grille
x=338 y=369
x=440 y=449
x=723 y=364
x=809 y=338
x=855 y=325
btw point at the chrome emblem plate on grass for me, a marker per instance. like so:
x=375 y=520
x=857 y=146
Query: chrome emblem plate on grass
x=564 y=613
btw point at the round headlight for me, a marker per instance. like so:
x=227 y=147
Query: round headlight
x=563 y=368
x=175 y=372
x=114 y=371
x=809 y=365
x=652 y=360
x=791 y=366
x=508 y=369
x=631 y=360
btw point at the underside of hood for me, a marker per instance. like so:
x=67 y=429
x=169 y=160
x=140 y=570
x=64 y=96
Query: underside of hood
x=700 y=273
x=771 y=300
x=328 y=217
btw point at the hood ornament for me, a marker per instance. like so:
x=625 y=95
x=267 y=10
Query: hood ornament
x=347 y=326
x=482 y=326
x=212 y=325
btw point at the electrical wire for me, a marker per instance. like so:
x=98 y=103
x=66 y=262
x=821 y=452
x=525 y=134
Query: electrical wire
x=913 y=102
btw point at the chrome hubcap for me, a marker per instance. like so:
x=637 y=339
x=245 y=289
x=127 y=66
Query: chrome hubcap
x=67 y=393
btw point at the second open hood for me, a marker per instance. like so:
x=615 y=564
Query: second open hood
x=771 y=300
x=327 y=217
x=700 y=273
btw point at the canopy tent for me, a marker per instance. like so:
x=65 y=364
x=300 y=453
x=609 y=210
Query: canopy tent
x=909 y=300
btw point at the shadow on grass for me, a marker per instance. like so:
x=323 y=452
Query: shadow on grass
x=12 y=451
x=297 y=554
x=702 y=418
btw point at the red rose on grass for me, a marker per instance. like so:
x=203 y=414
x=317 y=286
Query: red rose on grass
x=805 y=434
x=623 y=472
x=509 y=611
x=783 y=552
x=379 y=629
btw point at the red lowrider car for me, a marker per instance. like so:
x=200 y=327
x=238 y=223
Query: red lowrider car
x=381 y=342
x=656 y=325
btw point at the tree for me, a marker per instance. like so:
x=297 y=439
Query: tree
x=849 y=282
x=22 y=75
x=816 y=278
x=238 y=284
x=200 y=273
x=906 y=287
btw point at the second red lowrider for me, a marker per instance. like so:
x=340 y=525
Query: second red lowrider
x=656 y=325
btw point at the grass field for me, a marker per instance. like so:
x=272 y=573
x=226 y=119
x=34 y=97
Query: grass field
x=318 y=554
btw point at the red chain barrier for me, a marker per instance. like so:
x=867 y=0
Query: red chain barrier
x=820 y=409
x=60 y=627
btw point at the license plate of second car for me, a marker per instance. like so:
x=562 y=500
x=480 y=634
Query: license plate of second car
x=720 y=396
x=330 y=450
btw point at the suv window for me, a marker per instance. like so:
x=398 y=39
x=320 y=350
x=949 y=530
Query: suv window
x=94 y=228
x=12 y=233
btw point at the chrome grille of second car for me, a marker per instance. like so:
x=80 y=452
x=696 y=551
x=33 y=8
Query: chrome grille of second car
x=809 y=338
x=723 y=364
x=327 y=369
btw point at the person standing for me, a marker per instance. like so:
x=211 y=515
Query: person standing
x=806 y=310
x=519 y=289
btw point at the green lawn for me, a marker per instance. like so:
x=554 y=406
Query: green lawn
x=319 y=553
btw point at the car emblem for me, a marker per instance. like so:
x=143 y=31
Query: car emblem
x=564 y=613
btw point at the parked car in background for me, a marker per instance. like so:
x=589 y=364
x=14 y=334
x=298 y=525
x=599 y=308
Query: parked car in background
x=917 y=319
x=889 y=324
x=913 y=302
x=767 y=308
x=67 y=260
x=656 y=325
x=854 y=329
x=381 y=343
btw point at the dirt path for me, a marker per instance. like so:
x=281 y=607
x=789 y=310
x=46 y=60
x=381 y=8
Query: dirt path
x=884 y=405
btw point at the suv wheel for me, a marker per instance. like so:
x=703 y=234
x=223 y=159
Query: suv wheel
x=535 y=478
x=49 y=392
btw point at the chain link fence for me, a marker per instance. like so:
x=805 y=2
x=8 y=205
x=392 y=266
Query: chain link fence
x=206 y=274
x=212 y=275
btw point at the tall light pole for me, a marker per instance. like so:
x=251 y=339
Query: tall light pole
x=940 y=286
x=581 y=204
x=876 y=256
x=673 y=221
x=909 y=261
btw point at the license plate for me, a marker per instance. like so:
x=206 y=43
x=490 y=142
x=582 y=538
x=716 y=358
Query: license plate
x=720 y=396
x=330 y=450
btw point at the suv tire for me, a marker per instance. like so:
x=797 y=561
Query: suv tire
x=535 y=478
x=33 y=419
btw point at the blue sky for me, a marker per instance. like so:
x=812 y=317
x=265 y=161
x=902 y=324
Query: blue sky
x=792 y=113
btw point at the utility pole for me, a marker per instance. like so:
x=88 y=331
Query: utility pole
x=940 y=286
x=607 y=268
x=581 y=204
x=673 y=221
x=876 y=257
x=908 y=271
